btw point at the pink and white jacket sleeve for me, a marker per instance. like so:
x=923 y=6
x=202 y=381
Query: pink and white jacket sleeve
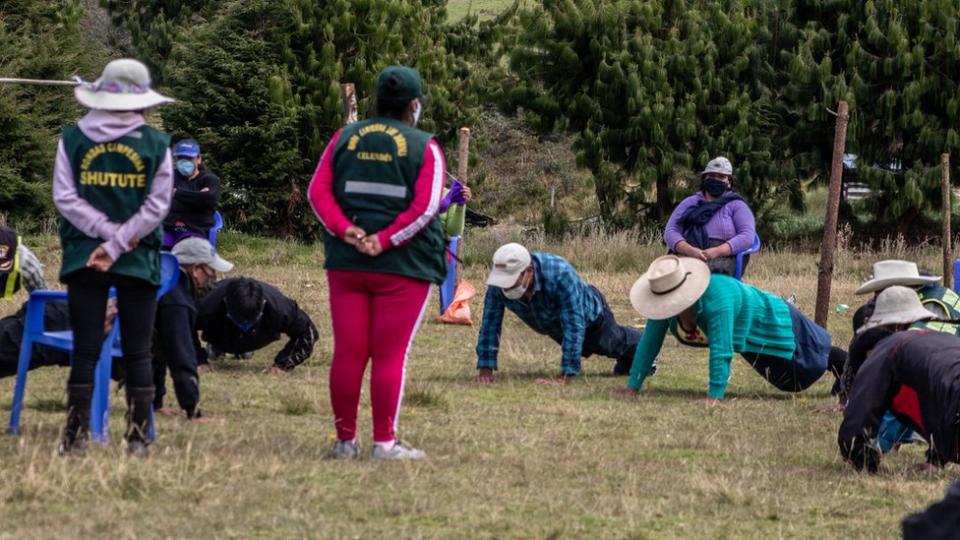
x=320 y=194
x=425 y=204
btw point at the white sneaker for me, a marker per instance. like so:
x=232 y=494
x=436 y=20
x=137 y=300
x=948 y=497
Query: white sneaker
x=399 y=451
x=346 y=450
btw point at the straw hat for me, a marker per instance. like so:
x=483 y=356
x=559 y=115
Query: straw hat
x=671 y=285
x=124 y=85
x=893 y=272
x=897 y=305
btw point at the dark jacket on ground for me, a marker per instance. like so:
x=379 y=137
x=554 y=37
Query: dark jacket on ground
x=190 y=206
x=56 y=319
x=176 y=346
x=281 y=315
x=916 y=375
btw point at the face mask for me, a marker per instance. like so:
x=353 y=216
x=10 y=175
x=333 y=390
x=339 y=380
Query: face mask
x=714 y=187
x=186 y=167
x=515 y=293
x=416 y=114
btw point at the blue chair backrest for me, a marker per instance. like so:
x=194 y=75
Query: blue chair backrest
x=217 y=225
x=169 y=272
x=753 y=249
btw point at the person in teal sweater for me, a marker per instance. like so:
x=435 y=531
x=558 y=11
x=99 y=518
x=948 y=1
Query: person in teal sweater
x=679 y=295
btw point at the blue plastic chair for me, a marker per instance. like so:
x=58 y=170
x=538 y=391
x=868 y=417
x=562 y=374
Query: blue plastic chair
x=449 y=286
x=956 y=274
x=34 y=333
x=753 y=249
x=217 y=225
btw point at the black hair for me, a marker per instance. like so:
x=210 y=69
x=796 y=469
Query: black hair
x=244 y=299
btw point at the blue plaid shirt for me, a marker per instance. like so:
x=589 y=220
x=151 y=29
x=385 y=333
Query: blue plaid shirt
x=562 y=307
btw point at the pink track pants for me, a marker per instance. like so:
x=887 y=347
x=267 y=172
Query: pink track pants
x=375 y=315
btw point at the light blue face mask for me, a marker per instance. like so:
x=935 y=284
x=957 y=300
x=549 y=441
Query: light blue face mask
x=186 y=167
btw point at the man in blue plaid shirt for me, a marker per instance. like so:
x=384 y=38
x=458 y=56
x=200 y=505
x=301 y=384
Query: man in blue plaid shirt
x=548 y=295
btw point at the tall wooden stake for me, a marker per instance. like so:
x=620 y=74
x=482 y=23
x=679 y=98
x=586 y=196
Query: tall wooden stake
x=349 y=96
x=463 y=162
x=463 y=155
x=947 y=212
x=829 y=245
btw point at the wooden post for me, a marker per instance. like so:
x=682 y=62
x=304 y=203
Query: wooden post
x=463 y=164
x=947 y=212
x=349 y=96
x=829 y=245
x=463 y=155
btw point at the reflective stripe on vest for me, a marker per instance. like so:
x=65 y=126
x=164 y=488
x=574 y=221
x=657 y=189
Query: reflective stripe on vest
x=375 y=188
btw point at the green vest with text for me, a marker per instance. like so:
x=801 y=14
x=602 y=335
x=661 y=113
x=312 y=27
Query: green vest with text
x=947 y=300
x=115 y=178
x=376 y=163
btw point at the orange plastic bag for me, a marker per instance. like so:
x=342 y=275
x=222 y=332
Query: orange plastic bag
x=458 y=312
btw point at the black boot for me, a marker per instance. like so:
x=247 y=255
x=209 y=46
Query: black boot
x=76 y=432
x=139 y=401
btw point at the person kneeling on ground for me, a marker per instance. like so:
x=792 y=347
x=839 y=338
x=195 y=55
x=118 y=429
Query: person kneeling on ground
x=550 y=297
x=176 y=325
x=243 y=314
x=680 y=295
x=914 y=374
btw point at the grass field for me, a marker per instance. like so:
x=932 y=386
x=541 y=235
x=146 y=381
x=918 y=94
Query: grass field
x=513 y=460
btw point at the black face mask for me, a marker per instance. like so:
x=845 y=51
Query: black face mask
x=713 y=187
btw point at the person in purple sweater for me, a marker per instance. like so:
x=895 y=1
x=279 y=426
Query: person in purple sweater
x=714 y=224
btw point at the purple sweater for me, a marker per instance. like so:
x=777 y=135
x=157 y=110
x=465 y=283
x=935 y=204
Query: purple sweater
x=733 y=223
x=105 y=126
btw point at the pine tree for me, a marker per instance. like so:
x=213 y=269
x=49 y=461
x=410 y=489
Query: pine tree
x=258 y=83
x=654 y=90
x=40 y=40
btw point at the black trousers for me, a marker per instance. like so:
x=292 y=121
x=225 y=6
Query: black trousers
x=606 y=337
x=785 y=375
x=87 y=292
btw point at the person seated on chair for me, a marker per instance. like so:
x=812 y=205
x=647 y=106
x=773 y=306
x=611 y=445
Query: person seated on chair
x=176 y=344
x=715 y=223
x=914 y=374
x=243 y=314
x=195 y=198
x=680 y=295
x=549 y=296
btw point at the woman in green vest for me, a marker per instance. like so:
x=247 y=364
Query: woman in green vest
x=377 y=192
x=113 y=181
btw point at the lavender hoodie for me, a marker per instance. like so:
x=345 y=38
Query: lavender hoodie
x=106 y=126
x=733 y=224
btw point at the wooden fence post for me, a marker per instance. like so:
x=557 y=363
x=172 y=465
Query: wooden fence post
x=829 y=245
x=947 y=235
x=349 y=96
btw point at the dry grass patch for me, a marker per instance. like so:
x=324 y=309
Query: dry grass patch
x=513 y=460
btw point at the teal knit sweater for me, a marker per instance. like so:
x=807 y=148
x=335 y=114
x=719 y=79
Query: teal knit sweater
x=735 y=317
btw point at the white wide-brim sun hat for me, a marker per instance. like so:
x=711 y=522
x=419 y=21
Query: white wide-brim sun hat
x=124 y=85
x=894 y=272
x=897 y=305
x=670 y=285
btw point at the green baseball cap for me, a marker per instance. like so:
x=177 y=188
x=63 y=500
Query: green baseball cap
x=399 y=84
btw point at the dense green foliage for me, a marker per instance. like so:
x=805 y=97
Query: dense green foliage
x=654 y=89
x=650 y=90
x=259 y=83
x=40 y=40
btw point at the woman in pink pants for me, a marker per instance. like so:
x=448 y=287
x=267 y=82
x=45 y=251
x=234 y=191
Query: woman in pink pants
x=377 y=191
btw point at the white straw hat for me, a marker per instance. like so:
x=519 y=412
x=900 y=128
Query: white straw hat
x=897 y=305
x=894 y=272
x=671 y=285
x=124 y=85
